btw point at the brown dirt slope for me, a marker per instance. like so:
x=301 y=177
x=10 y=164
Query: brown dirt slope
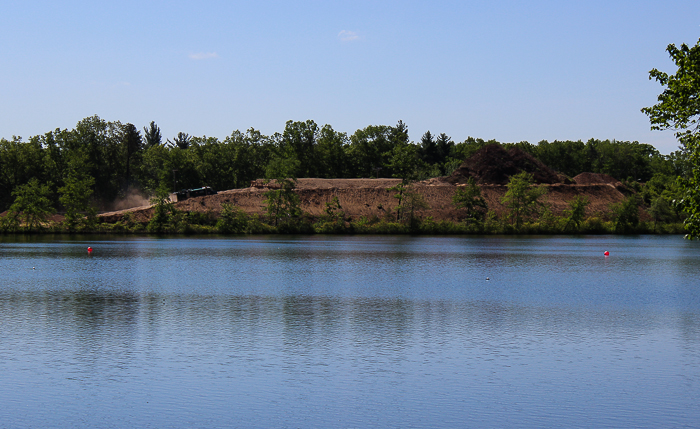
x=366 y=199
x=595 y=178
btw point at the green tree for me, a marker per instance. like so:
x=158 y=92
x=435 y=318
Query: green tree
x=331 y=153
x=156 y=168
x=409 y=202
x=404 y=162
x=522 y=198
x=334 y=211
x=678 y=108
x=152 y=136
x=626 y=214
x=576 y=211
x=444 y=146
x=75 y=197
x=660 y=211
x=428 y=148
x=413 y=201
x=568 y=157
x=299 y=141
x=232 y=220
x=76 y=192
x=162 y=211
x=32 y=204
x=131 y=139
x=370 y=150
x=19 y=162
x=334 y=219
x=182 y=140
x=102 y=144
x=282 y=168
x=283 y=204
x=469 y=198
x=245 y=157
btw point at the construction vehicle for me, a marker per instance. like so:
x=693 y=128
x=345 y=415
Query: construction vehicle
x=195 y=192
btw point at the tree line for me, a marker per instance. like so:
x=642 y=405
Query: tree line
x=101 y=161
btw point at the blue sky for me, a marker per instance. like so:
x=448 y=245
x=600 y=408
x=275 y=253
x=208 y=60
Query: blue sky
x=505 y=70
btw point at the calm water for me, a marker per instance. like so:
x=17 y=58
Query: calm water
x=342 y=332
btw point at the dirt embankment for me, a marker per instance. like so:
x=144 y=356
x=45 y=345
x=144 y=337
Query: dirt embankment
x=491 y=168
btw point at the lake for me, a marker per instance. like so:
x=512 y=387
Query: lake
x=349 y=332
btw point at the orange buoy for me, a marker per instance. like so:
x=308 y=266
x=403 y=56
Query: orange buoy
x=606 y=253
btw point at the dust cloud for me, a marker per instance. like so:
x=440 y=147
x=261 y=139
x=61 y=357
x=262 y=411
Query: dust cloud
x=133 y=198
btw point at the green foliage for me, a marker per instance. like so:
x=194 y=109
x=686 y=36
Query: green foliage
x=162 y=211
x=126 y=225
x=152 y=136
x=410 y=201
x=282 y=168
x=19 y=162
x=522 y=199
x=131 y=139
x=491 y=223
x=75 y=196
x=576 y=212
x=546 y=220
x=371 y=150
x=660 y=211
x=679 y=109
x=430 y=226
x=434 y=153
x=283 y=204
x=331 y=154
x=689 y=202
x=595 y=225
x=102 y=144
x=32 y=205
x=626 y=215
x=413 y=202
x=333 y=222
x=334 y=210
x=469 y=199
x=298 y=142
x=468 y=147
x=232 y=220
x=181 y=141
x=404 y=162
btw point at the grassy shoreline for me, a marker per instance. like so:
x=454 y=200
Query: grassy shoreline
x=242 y=224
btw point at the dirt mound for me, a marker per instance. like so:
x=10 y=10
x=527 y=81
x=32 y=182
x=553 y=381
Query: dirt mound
x=315 y=183
x=374 y=199
x=494 y=165
x=594 y=179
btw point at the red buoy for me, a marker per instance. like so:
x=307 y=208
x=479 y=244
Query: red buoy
x=606 y=253
x=89 y=249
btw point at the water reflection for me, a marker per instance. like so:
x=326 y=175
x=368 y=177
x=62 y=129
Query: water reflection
x=92 y=319
x=315 y=332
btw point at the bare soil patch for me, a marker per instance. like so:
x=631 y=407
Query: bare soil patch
x=372 y=198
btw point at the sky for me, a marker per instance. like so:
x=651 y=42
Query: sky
x=506 y=70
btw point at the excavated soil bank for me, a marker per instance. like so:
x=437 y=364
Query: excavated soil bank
x=360 y=197
x=491 y=167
